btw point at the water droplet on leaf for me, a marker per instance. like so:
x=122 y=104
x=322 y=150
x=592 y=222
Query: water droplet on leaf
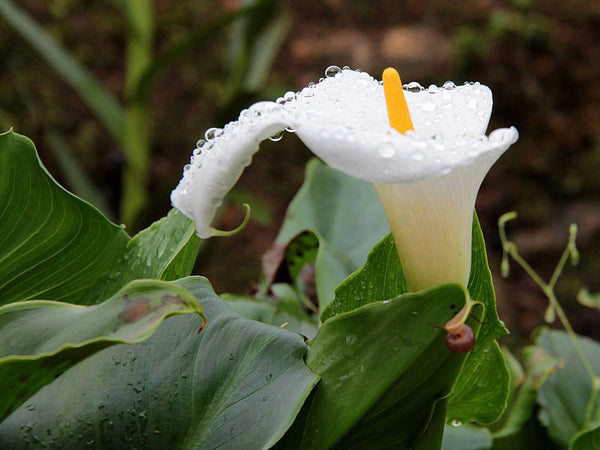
x=351 y=339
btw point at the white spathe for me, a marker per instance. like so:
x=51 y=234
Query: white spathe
x=427 y=179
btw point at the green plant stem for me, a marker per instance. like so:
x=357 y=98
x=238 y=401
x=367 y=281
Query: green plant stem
x=138 y=118
x=509 y=248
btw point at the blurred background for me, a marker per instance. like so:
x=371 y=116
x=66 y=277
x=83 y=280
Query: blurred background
x=115 y=95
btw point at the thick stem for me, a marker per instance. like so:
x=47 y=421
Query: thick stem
x=138 y=117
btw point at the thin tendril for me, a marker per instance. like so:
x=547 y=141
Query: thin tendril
x=510 y=249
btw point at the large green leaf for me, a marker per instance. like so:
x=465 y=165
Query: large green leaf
x=53 y=246
x=565 y=395
x=384 y=369
x=483 y=387
x=236 y=384
x=347 y=217
x=41 y=339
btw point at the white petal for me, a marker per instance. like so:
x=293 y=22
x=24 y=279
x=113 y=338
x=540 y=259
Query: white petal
x=344 y=121
x=218 y=164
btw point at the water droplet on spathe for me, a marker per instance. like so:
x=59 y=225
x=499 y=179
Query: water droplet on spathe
x=413 y=86
x=209 y=135
x=428 y=106
x=289 y=96
x=417 y=155
x=332 y=71
x=449 y=85
x=276 y=137
x=386 y=150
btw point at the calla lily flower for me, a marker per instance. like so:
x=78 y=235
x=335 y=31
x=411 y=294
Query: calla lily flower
x=427 y=178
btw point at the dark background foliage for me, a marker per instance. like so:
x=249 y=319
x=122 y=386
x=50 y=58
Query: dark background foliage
x=541 y=59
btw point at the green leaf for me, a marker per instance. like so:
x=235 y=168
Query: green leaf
x=587 y=439
x=285 y=310
x=236 y=384
x=346 y=216
x=95 y=95
x=381 y=278
x=52 y=245
x=565 y=395
x=482 y=390
x=165 y=250
x=41 y=339
x=466 y=437
x=383 y=370
x=55 y=246
x=518 y=427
